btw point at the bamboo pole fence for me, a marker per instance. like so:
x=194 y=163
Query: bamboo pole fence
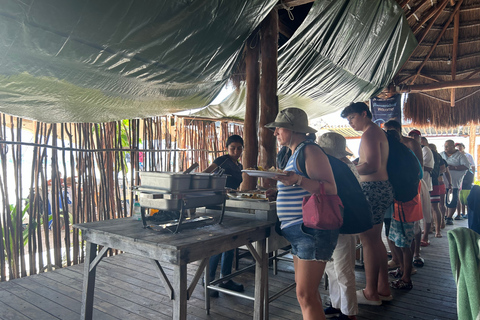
x=55 y=175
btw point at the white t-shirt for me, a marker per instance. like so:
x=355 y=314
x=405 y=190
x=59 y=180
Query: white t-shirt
x=456 y=159
x=428 y=161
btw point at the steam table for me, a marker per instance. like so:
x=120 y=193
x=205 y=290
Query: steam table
x=177 y=249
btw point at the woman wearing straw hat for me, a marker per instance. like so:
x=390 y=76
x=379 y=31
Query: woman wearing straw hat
x=311 y=248
x=341 y=271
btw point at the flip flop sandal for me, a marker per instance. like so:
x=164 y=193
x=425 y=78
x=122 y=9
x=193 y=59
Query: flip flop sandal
x=438 y=236
x=418 y=262
x=425 y=243
x=396 y=273
x=401 y=285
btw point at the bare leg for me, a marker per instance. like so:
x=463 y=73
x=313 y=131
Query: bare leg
x=395 y=254
x=308 y=275
x=407 y=264
x=450 y=212
x=437 y=217
x=426 y=231
x=416 y=241
x=443 y=211
x=375 y=258
x=398 y=253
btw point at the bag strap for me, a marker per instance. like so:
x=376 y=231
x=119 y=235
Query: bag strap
x=301 y=156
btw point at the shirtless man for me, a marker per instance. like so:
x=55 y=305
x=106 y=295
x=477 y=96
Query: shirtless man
x=372 y=167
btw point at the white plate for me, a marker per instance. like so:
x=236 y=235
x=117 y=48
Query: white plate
x=263 y=174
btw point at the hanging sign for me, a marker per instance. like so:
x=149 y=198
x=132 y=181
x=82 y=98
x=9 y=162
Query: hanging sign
x=386 y=109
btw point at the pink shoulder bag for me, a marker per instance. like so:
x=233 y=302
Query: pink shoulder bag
x=322 y=211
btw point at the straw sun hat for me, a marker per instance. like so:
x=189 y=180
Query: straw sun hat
x=334 y=144
x=294 y=119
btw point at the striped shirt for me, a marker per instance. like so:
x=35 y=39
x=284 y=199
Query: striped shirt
x=290 y=198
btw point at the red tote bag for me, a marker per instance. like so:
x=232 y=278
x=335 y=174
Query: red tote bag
x=322 y=211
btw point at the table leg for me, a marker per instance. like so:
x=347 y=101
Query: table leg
x=180 y=292
x=206 y=281
x=88 y=282
x=261 y=283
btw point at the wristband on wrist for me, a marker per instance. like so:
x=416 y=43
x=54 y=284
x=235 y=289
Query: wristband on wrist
x=299 y=181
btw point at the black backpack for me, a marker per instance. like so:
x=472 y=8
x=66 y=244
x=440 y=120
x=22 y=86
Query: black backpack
x=403 y=169
x=357 y=213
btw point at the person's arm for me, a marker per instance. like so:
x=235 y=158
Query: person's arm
x=318 y=169
x=464 y=164
x=448 y=176
x=427 y=159
x=370 y=155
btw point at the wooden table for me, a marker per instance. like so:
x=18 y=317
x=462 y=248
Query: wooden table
x=179 y=249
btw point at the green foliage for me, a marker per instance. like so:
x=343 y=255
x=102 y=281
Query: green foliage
x=13 y=233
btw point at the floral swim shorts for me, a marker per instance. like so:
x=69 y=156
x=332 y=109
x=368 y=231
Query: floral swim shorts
x=402 y=233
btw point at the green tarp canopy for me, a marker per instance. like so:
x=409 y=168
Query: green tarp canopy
x=345 y=51
x=99 y=61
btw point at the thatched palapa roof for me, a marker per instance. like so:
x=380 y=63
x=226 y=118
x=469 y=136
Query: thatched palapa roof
x=442 y=75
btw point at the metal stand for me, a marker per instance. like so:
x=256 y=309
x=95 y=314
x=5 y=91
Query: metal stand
x=179 y=202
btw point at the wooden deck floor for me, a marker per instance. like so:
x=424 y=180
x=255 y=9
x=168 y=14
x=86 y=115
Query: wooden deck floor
x=127 y=288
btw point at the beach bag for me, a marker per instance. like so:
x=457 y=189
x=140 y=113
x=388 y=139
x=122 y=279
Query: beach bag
x=322 y=211
x=357 y=213
x=403 y=170
x=409 y=211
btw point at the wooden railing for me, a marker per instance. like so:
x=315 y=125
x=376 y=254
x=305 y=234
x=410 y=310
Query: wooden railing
x=56 y=175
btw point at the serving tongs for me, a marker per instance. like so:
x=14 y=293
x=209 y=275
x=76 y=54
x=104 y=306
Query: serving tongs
x=218 y=171
x=191 y=168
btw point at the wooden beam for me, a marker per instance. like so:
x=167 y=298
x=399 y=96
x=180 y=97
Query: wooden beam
x=415 y=9
x=285 y=30
x=403 y=3
x=440 y=8
x=457 y=6
x=466 y=83
x=250 y=128
x=432 y=21
x=456 y=28
x=292 y=3
x=268 y=93
x=472 y=74
x=433 y=11
x=429 y=78
x=472 y=138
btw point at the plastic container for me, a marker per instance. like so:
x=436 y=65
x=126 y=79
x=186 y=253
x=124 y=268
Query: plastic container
x=169 y=181
x=137 y=209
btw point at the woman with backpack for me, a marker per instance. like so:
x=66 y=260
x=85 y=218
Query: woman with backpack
x=311 y=248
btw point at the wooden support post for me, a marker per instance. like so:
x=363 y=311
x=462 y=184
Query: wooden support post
x=472 y=141
x=456 y=30
x=88 y=282
x=268 y=93
x=251 y=110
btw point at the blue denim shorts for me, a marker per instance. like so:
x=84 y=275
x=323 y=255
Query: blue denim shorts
x=311 y=244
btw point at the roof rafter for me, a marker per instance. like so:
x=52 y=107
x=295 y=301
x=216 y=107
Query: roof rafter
x=456 y=27
x=415 y=9
x=433 y=11
x=466 y=83
x=457 y=7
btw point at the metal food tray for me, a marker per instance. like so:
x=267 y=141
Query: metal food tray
x=174 y=202
x=218 y=182
x=170 y=181
x=200 y=181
